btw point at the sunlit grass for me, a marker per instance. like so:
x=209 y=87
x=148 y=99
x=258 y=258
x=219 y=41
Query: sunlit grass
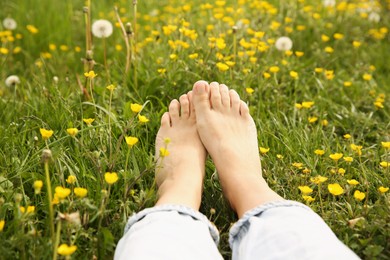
x=79 y=113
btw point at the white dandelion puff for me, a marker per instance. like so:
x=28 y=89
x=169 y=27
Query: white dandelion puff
x=283 y=43
x=374 y=17
x=9 y=24
x=12 y=80
x=102 y=28
x=329 y=3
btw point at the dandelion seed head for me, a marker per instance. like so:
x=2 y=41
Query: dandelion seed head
x=102 y=28
x=283 y=43
x=12 y=80
x=9 y=24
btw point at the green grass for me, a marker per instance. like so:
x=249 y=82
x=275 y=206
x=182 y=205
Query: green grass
x=39 y=101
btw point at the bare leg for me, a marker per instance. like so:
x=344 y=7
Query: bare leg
x=229 y=134
x=180 y=174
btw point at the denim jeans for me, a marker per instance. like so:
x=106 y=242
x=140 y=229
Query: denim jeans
x=276 y=230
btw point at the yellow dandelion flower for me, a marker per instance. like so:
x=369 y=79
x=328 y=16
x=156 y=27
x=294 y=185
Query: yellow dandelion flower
x=347 y=83
x=131 y=141
x=356 y=44
x=71 y=179
x=297 y=165
x=2 y=224
x=318 y=70
x=111 y=177
x=312 y=119
x=299 y=53
x=143 y=119
x=335 y=189
x=46 y=134
x=222 y=66
x=305 y=189
x=161 y=71
x=80 y=192
x=319 y=152
x=336 y=156
x=341 y=171
x=294 y=74
x=329 y=74
x=163 y=152
x=279 y=156
x=90 y=75
x=325 y=38
x=274 y=69
x=348 y=159
x=378 y=104
x=359 y=195
x=308 y=198
x=72 y=131
x=347 y=136
x=367 y=76
x=384 y=164
x=324 y=122
x=263 y=150
x=61 y=192
x=136 y=108
x=249 y=90
x=66 y=250
x=266 y=75
x=298 y=105
x=32 y=29
x=88 y=121
x=30 y=209
x=381 y=189
x=38 y=184
x=353 y=182
x=338 y=36
x=386 y=145
x=307 y=104
x=318 y=179
x=329 y=49
x=110 y=87
x=193 y=56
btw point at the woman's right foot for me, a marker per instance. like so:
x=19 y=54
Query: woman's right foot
x=229 y=134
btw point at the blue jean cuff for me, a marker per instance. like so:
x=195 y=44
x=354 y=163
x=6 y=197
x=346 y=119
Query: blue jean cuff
x=183 y=210
x=240 y=228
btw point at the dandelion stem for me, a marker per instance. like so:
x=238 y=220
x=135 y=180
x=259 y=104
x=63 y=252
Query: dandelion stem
x=101 y=215
x=319 y=195
x=105 y=57
x=125 y=175
x=49 y=199
x=135 y=42
x=109 y=126
x=57 y=241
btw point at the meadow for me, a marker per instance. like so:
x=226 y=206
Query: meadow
x=81 y=105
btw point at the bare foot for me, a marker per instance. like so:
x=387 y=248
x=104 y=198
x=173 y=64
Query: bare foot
x=180 y=174
x=229 y=134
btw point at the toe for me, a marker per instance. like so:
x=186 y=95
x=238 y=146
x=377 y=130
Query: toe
x=215 y=96
x=234 y=100
x=174 y=108
x=201 y=97
x=184 y=106
x=244 y=110
x=225 y=97
x=190 y=95
x=165 y=120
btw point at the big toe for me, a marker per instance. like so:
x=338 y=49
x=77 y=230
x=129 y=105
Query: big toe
x=200 y=97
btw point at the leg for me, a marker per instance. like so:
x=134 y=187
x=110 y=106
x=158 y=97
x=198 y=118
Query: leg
x=174 y=229
x=269 y=226
x=230 y=136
